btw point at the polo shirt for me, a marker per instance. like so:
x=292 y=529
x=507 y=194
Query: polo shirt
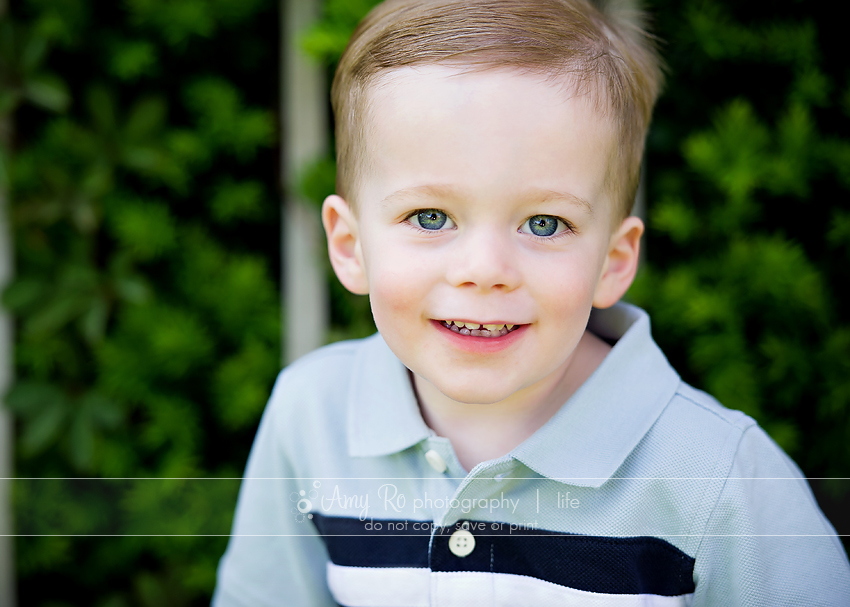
x=640 y=490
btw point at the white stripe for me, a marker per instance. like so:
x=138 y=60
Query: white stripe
x=379 y=586
x=522 y=590
x=415 y=587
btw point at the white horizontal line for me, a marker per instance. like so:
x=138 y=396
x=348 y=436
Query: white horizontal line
x=663 y=535
x=426 y=478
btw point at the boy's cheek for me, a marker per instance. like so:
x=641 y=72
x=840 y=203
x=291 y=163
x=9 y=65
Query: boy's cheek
x=392 y=297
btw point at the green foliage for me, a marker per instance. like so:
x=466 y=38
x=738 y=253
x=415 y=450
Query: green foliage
x=148 y=322
x=748 y=219
x=223 y=123
x=328 y=38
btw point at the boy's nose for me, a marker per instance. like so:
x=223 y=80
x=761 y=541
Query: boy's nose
x=484 y=259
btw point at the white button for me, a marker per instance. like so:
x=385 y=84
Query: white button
x=461 y=543
x=435 y=460
x=499 y=477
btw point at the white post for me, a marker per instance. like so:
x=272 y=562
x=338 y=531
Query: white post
x=7 y=542
x=304 y=140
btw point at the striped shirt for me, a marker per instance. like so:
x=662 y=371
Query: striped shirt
x=640 y=490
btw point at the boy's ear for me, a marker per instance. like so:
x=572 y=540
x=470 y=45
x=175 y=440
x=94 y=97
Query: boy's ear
x=621 y=263
x=344 y=244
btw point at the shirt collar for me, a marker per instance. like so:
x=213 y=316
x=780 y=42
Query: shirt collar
x=592 y=434
x=582 y=444
x=383 y=415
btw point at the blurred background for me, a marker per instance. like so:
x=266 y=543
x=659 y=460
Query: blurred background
x=162 y=163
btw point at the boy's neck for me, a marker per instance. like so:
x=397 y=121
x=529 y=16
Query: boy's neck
x=483 y=432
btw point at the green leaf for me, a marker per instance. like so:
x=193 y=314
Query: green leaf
x=44 y=409
x=34 y=52
x=130 y=60
x=145 y=228
x=676 y=218
x=9 y=100
x=133 y=289
x=733 y=154
x=224 y=122
x=93 y=321
x=47 y=92
x=146 y=119
x=176 y=21
x=81 y=443
x=101 y=105
x=25 y=292
x=4 y=170
x=29 y=399
x=839 y=230
x=55 y=314
x=104 y=412
x=238 y=201
x=242 y=384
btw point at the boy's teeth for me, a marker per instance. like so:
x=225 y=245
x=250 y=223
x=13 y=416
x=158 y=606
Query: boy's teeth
x=478 y=330
x=473 y=326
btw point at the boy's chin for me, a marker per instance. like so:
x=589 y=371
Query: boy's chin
x=473 y=395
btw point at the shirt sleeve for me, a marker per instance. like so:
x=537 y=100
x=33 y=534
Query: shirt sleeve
x=274 y=556
x=766 y=541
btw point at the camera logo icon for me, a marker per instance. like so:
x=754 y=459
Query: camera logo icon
x=303 y=502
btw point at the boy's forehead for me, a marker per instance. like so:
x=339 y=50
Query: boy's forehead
x=452 y=123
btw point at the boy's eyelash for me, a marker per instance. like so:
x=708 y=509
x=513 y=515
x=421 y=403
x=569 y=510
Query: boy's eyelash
x=569 y=231
x=421 y=229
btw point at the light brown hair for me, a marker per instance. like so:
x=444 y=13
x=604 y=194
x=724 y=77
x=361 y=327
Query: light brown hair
x=601 y=49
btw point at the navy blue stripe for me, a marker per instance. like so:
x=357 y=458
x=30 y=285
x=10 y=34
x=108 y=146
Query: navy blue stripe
x=379 y=543
x=610 y=565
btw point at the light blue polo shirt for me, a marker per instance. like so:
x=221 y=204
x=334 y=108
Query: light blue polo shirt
x=640 y=490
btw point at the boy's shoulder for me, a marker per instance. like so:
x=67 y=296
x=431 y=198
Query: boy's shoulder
x=694 y=411
x=333 y=370
x=352 y=394
x=328 y=372
x=706 y=403
x=316 y=380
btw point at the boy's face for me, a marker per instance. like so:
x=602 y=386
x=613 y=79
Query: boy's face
x=484 y=201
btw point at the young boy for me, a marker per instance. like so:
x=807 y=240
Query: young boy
x=512 y=435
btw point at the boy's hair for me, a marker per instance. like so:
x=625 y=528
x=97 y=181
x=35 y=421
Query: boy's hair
x=600 y=49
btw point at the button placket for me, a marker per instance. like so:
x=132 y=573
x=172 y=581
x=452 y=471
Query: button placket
x=483 y=475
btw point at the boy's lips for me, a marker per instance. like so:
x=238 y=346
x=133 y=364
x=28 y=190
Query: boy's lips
x=480 y=341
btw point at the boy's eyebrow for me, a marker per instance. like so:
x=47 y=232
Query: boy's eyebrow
x=424 y=191
x=555 y=196
x=535 y=195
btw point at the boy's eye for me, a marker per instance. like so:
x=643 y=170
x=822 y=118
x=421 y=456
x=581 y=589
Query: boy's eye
x=430 y=219
x=541 y=225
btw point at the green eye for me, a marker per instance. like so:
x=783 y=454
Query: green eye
x=542 y=225
x=430 y=219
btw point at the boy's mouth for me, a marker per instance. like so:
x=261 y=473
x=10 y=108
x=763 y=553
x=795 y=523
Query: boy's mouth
x=478 y=330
